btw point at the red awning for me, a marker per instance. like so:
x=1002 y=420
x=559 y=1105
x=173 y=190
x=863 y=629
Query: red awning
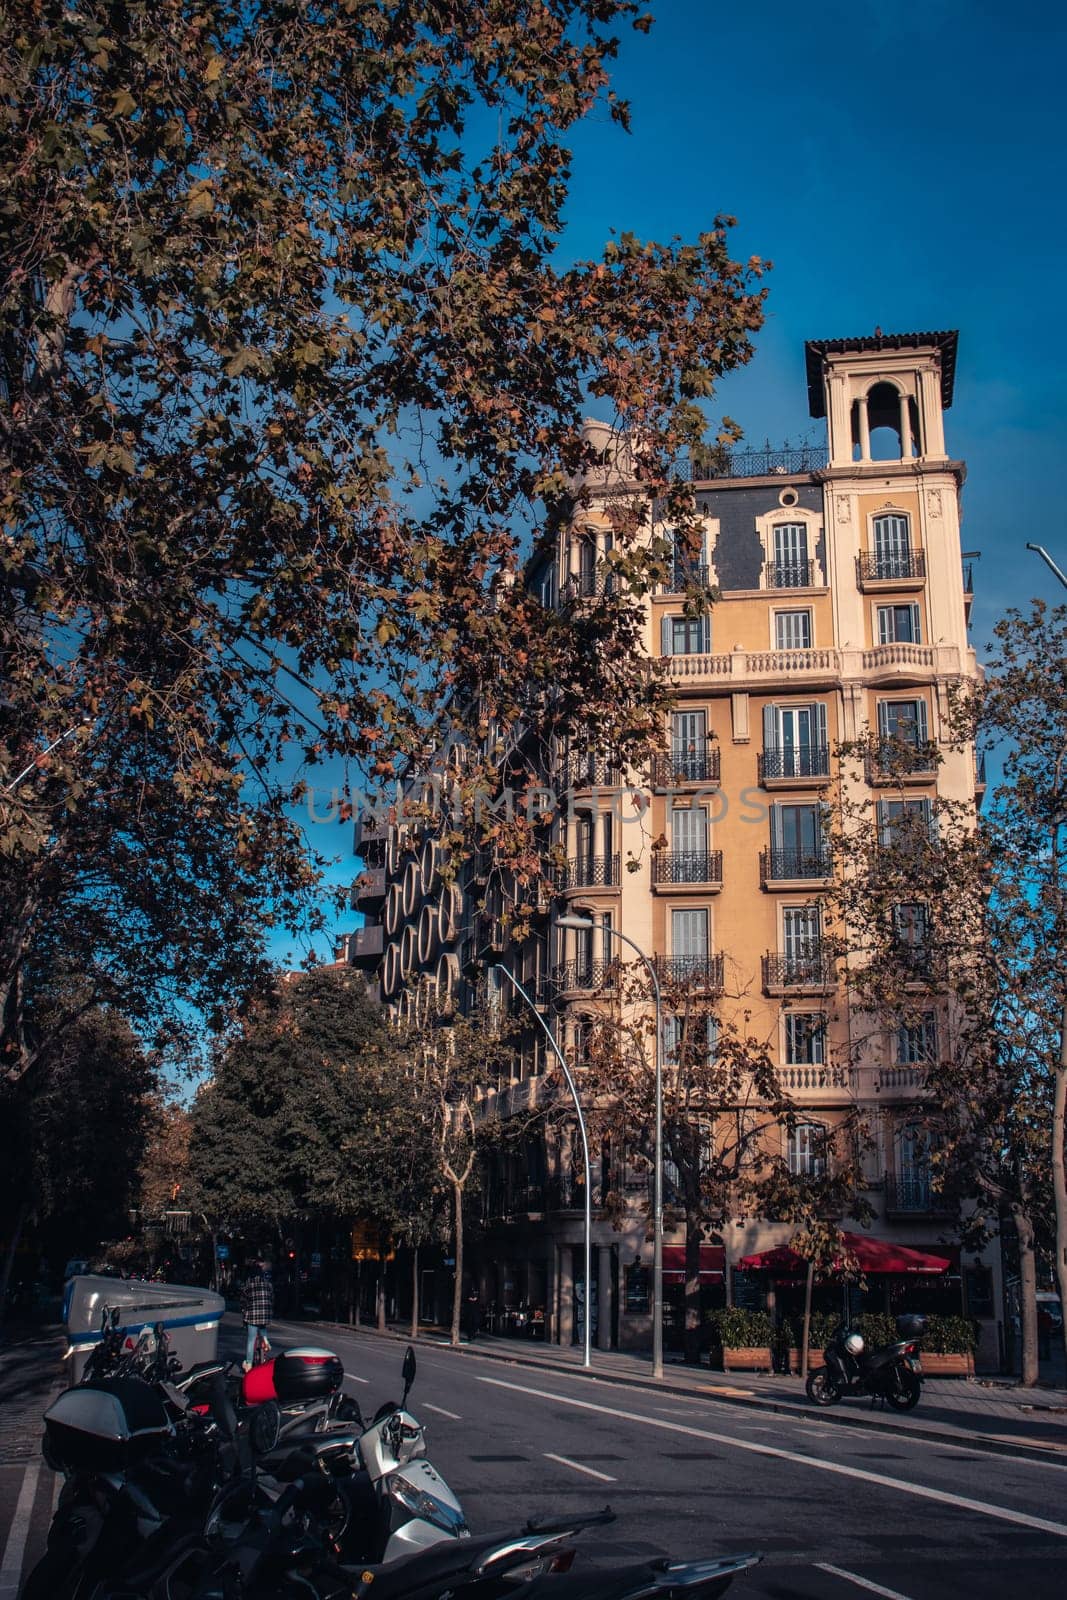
x=712 y=1263
x=872 y=1255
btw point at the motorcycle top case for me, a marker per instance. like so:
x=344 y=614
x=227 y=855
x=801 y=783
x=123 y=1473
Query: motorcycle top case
x=105 y=1427
x=911 y=1325
x=305 y=1374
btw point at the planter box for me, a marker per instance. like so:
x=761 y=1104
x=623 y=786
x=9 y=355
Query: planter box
x=956 y=1366
x=747 y=1358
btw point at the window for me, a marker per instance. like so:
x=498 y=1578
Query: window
x=684 y=636
x=792 y=630
x=689 y=745
x=583 y=1041
x=798 y=843
x=795 y=742
x=917 y=1041
x=800 y=932
x=697 y=1036
x=904 y=722
x=805 y=1038
x=914 y=1145
x=899 y=625
x=911 y=934
x=791 y=568
x=687 y=567
x=689 y=844
x=689 y=935
x=903 y=824
x=892 y=547
x=548 y=589
x=806 y=1150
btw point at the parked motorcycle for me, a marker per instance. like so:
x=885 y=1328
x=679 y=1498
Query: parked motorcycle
x=892 y=1373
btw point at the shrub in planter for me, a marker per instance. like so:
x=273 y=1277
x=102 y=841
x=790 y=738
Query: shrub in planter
x=821 y=1330
x=740 y=1329
x=950 y=1336
x=877 y=1328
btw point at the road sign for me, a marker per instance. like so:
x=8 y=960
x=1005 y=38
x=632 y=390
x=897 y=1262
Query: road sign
x=222 y=1251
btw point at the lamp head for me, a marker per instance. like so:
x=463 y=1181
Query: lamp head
x=572 y=920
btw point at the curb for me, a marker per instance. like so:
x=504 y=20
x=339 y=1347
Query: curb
x=990 y=1444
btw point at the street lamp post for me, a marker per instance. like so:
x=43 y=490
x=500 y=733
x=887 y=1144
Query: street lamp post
x=585 y=923
x=550 y=1036
x=8 y=787
x=1040 y=550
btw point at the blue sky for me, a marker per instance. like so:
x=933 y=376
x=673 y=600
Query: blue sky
x=902 y=167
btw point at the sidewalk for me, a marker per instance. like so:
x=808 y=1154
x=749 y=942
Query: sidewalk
x=31 y=1372
x=984 y=1413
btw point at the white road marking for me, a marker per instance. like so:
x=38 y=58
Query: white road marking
x=57 y=1490
x=922 y=1491
x=11 y=1567
x=590 y=1472
x=864 y=1583
x=441 y=1412
x=350 y=1377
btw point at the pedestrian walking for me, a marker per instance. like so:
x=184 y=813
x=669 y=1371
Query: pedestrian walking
x=257 y=1308
x=472 y=1314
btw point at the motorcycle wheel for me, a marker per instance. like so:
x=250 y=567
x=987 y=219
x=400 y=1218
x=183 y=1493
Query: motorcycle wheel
x=906 y=1398
x=822 y=1389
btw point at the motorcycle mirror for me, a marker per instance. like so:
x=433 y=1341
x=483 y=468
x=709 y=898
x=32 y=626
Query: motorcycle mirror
x=407 y=1371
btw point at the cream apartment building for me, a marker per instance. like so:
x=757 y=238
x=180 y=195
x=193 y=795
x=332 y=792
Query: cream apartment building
x=842 y=611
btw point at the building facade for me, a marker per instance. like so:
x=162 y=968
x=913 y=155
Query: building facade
x=841 y=614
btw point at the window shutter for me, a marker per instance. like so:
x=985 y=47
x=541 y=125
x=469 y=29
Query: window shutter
x=885 y=828
x=770 y=727
x=665 y=635
x=705 y=633
x=886 y=630
x=921 y=722
x=777 y=831
x=883 y=718
x=821 y=737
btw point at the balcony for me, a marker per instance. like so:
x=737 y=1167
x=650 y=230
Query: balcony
x=902 y=760
x=891 y=569
x=900 y=1077
x=672 y=869
x=589 y=872
x=808 y=974
x=369 y=888
x=789 y=574
x=767 y=671
x=586 y=771
x=585 y=976
x=700 y=972
x=684 y=578
x=801 y=764
x=786 y=869
x=784 y=461
x=589 y=585
x=365 y=946
x=912 y=1194
x=814 y=1078
x=686 y=766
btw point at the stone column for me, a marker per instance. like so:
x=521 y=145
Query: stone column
x=905 y=428
x=603 y=1297
x=865 y=430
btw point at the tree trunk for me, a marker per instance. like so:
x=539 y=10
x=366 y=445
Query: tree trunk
x=9 y=1261
x=457 y=1286
x=415 y=1292
x=359 y=1292
x=1024 y=1230
x=1059 y=1176
x=380 y=1295
x=805 y=1338
x=692 y=1289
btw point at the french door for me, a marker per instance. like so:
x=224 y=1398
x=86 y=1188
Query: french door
x=689 y=744
x=689 y=939
x=790 y=555
x=892 y=547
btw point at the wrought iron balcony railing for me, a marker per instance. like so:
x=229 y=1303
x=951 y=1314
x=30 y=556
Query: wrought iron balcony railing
x=685 y=577
x=901 y=757
x=584 y=771
x=811 y=971
x=797 y=761
x=694 y=972
x=894 y=566
x=914 y=1193
x=586 y=975
x=686 y=766
x=589 y=585
x=795 y=865
x=590 y=872
x=783 y=461
x=687 y=866
x=790 y=574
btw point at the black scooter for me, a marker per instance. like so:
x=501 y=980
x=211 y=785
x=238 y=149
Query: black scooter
x=892 y=1373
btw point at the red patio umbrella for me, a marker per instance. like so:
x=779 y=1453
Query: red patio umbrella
x=872 y=1255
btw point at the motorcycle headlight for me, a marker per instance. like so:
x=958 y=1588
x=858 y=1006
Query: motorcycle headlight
x=428 y=1507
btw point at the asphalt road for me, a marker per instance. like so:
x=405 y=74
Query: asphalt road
x=836 y=1512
